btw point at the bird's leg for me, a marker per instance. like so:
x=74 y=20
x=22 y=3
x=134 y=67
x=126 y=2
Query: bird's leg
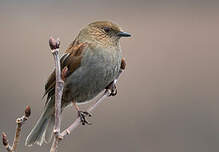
x=82 y=114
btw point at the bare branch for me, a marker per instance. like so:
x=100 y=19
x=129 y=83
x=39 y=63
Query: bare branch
x=77 y=122
x=54 y=45
x=20 y=121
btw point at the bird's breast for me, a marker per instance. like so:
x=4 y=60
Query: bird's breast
x=97 y=70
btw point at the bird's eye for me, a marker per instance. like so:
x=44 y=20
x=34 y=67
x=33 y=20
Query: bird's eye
x=106 y=29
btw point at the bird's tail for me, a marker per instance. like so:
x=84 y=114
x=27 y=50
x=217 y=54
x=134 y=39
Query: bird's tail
x=42 y=131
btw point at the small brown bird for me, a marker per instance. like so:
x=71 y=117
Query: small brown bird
x=93 y=60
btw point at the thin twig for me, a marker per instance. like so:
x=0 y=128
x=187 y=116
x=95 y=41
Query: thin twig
x=54 y=45
x=77 y=122
x=20 y=121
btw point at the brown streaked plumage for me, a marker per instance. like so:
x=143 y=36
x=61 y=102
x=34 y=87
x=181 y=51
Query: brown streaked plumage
x=93 y=61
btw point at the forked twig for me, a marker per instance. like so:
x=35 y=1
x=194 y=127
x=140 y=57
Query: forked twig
x=77 y=122
x=20 y=121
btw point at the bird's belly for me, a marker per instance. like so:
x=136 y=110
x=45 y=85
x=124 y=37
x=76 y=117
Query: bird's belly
x=88 y=81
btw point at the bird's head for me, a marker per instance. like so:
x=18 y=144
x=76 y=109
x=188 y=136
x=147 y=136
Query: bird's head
x=103 y=32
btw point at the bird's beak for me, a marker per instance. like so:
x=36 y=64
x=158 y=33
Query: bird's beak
x=123 y=34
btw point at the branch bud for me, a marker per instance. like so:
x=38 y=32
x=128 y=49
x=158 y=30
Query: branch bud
x=54 y=44
x=123 y=64
x=57 y=43
x=27 y=111
x=4 y=139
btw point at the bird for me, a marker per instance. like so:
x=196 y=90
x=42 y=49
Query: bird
x=93 y=61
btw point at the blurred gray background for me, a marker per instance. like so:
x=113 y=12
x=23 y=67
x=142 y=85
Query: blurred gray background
x=168 y=99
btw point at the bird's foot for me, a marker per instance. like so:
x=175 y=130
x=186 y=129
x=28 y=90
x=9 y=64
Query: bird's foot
x=112 y=88
x=113 y=91
x=82 y=115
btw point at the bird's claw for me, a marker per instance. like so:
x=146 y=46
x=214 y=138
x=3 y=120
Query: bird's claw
x=82 y=115
x=112 y=88
x=113 y=91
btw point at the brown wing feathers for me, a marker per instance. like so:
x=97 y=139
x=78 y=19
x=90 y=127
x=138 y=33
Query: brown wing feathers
x=72 y=59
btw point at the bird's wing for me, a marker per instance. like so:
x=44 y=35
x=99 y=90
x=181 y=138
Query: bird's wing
x=72 y=60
